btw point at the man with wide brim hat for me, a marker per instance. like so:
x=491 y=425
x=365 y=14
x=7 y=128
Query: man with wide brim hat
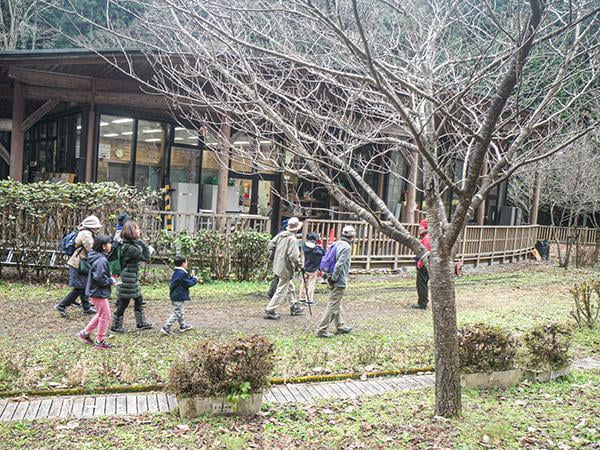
x=286 y=262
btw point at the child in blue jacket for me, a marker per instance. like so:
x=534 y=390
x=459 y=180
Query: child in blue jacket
x=181 y=282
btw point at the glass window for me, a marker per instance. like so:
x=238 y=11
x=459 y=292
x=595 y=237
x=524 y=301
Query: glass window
x=114 y=148
x=150 y=155
x=185 y=162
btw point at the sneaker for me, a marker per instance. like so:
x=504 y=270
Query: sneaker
x=418 y=307
x=90 y=311
x=296 y=310
x=343 y=330
x=102 y=345
x=61 y=310
x=271 y=315
x=84 y=337
x=185 y=327
x=76 y=304
x=166 y=331
x=324 y=334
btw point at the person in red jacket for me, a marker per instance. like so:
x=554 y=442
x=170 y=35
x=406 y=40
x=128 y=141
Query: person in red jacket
x=422 y=274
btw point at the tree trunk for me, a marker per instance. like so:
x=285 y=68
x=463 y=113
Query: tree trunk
x=535 y=202
x=447 y=373
x=411 y=190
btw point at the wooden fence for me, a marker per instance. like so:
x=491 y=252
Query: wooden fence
x=476 y=245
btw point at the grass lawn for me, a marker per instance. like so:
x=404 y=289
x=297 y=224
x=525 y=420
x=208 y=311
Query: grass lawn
x=38 y=349
x=561 y=414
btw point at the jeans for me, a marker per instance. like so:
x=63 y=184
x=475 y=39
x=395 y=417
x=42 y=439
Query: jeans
x=72 y=296
x=101 y=319
x=123 y=303
x=176 y=315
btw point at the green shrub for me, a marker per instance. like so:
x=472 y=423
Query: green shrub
x=211 y=369
x=548 y=346
x=211 y=251
x=249 y=254
x=485 y=348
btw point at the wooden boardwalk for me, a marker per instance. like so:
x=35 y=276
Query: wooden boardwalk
x=88 y=406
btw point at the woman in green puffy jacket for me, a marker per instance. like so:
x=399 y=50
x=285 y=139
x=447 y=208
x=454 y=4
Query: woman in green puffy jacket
x=134 y=251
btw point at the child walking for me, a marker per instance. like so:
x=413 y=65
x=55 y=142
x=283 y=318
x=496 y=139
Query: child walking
x=98 y=289
x=313 y=254
x=179 y=291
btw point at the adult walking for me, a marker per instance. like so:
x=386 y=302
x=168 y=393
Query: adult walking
x=134 y=252
x=338 y=281
x=422 y=273
x=77 y=280
x=286 y=262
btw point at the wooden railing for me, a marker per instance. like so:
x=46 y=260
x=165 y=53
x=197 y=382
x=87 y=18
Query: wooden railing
x=476 y=245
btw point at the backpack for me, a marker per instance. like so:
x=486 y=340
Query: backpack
x=115 y=259
x=328 y=261
x=67 y=245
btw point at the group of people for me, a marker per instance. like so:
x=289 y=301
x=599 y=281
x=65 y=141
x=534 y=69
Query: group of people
x=288 y=261
x=91 y=280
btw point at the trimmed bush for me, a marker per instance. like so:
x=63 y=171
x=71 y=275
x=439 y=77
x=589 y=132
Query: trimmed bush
x=249 y=254
x=586 y=302
x=548 y=346
x=215 y=369
x=485 y=348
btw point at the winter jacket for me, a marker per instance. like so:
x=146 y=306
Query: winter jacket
x=312 y=257
x=133 y=253
x=341 y=271
x=427 y=245
x=83 y=244
x=287 y=258
x=181 y=282
x=98 y=280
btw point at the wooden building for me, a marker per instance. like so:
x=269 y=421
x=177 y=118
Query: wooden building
x=72 y=115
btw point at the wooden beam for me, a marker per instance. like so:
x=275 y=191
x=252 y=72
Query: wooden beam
x=4 y=154
x=17 y=136
x=38 y=114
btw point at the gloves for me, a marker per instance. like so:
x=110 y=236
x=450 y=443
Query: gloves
x=330 y=282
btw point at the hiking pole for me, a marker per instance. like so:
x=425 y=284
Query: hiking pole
x=306 y=290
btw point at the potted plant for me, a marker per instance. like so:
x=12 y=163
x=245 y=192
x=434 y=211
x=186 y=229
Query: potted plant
x=548 y=351
x=221 y=378
x=486 y=357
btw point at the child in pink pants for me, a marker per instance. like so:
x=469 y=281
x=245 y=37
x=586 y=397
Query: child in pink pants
x=98 y=289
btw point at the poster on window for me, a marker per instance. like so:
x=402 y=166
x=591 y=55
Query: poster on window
x=104 y=151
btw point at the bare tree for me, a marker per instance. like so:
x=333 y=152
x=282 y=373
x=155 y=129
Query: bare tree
x=19 y=25
x=474 y=89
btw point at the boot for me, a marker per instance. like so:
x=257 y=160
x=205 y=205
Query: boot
x=141 y=321
x=117 y=325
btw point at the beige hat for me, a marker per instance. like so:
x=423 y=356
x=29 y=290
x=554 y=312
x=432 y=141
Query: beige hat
x=348 y=231
x=91 y=222
x=294 y=224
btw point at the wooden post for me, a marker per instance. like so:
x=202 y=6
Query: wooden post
x=369 y=245
x=408 y=215
x=479 y=246
x=90 y=154
x=17 y=136
x=535 y=201
x=223 y=175
x=464 y=243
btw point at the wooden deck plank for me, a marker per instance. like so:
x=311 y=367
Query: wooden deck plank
x=9 y=411
x=142 y=404
x=163 y=404
x=172 y=402
x=32 y=410
x=44 y=408
x=269 y=397
x=55 y=408
x=341 y=390
x=276 y=391
x=20 y=411
x=88 y=407
x=3 y=404
x=66 y=408
x=353 y=386
x=311 y=393
x=152 y=403
x=121 y=405
x=295 y=392
x=324 y=393
x=100 y=405
x=110 y=407
x=77 y=410
x=131 y=405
